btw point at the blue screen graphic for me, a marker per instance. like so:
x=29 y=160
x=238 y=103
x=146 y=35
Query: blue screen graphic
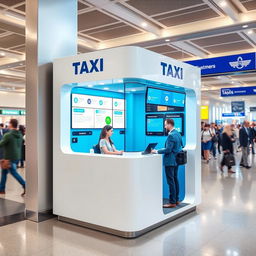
x=178 y=124
x=165 y=98
x=155 y=124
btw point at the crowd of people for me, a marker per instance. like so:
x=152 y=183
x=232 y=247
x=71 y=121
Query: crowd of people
x=12 y=153
x=230 y=139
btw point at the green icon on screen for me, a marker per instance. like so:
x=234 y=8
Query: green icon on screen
x=108 y=120
x=101 y=102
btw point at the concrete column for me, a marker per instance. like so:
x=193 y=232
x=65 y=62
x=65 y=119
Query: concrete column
x=51 y=32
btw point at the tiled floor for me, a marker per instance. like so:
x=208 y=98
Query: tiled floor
x=225 y=224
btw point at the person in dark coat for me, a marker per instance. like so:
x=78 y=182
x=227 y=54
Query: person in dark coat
x=227 y=146
x=244 y=143
x=1 y=136
x=252 y=136
x=22 y=130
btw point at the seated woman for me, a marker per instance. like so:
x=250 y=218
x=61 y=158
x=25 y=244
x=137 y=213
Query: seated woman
x=106 y=144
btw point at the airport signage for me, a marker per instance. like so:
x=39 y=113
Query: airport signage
x=237 y=106
x=90 y=66
x=252 y=109
x=226 y=64
x=12 y=112
x=242 y=114
x=239 y=91
x=172 y=70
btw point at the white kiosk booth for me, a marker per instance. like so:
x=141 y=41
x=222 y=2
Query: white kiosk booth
x=133 y=90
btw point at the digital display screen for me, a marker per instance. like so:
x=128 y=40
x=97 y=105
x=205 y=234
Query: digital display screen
x=159 y=100
x=165 y=98
x=178 y=124
x=95 y=112
x=155 y=124
x=178 y=121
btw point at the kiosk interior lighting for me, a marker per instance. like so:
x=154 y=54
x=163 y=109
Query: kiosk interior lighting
x=106 y=88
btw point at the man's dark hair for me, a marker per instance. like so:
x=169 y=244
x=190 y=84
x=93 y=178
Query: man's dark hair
x=2 y=125
x=170 y=121
x=14 y=123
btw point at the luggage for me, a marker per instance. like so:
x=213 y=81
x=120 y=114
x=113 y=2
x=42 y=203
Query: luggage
x=229 y=159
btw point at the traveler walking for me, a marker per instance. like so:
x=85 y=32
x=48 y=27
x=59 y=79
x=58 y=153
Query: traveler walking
x=244 y=144
x=227 y=146
x=11 y=143
x=206 y=139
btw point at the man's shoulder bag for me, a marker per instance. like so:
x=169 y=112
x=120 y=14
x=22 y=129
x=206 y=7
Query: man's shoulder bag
x=5 y=164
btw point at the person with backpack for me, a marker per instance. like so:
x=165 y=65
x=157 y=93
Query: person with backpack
x=173 y=146
x=11 y=143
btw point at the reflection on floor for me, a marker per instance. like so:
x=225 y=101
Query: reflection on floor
x=224 y=224
x=168 y=210
x=10 y=211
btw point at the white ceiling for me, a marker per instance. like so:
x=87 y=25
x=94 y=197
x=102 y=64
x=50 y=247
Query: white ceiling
x=181 y=29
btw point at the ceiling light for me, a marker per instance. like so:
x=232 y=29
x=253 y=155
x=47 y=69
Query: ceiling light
x=245 y=26
x=223 y=3
x=232 y=82
x=249 y=32
x=144 y=24
x=167 y=40
x=2 y=53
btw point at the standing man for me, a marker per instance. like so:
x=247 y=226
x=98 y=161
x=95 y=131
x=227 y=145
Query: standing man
x=11 y=143
x=1 y=136
x=252 y=136
x=244 y=143
x=173 y=145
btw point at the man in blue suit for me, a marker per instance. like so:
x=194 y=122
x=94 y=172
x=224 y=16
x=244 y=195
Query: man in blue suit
x=173 y=145
x=244 y=139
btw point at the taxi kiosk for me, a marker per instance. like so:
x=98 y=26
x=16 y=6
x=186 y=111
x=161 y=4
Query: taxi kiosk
x=134 y=90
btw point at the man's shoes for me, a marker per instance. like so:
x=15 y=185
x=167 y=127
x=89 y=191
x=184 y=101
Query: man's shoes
x=24 y=192
x=178 y=202
x=2 y=192
x=169 y=205
x=242 y=165
x=247 y=167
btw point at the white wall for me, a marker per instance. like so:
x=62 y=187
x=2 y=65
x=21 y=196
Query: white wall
x=11 y=99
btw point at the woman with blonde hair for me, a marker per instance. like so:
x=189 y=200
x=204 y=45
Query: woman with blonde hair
x=227 y=146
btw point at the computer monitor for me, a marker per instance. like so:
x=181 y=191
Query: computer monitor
x=155 y=125
x=178 y=119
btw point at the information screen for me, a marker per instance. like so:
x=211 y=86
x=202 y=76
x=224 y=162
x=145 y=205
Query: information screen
x=178 y=121
x=155 y=124
x=162 y=100
x=95 y=112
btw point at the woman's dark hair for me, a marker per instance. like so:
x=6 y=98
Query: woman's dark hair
x=104 y=131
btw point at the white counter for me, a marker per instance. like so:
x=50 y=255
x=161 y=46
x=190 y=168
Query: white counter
x=118 y=193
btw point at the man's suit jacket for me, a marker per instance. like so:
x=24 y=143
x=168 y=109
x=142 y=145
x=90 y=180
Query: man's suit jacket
x=244 y=137
x=173 y=145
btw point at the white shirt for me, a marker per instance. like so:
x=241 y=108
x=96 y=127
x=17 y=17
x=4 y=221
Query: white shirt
x=206 y=136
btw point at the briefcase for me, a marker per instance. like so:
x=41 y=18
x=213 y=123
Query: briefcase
x=229 y=159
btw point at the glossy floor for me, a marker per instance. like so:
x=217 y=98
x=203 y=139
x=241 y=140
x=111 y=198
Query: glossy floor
x=224 y=224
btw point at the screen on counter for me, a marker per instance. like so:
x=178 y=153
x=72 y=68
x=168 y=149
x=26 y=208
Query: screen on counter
x=163 y=100
x=95 y=112
x=155 y=124
x=178 y=121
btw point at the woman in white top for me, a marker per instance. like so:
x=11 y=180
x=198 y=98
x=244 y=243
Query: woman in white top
x=206 y=138
x=106 y=144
